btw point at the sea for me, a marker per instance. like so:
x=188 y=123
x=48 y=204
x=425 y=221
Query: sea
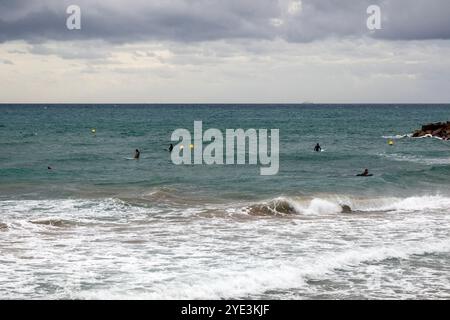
x=78 y=220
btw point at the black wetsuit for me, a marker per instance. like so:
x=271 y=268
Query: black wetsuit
x=364 y=174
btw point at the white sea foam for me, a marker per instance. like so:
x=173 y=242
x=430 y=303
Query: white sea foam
x=315 y=206
x=113 y=210
x=429 y=136
x=398 y=136
x=410 y=135
x=223 y=283
x=424 y=203
x=35 y=214
x=399 y=205
x=334 y=204
x=125 y=252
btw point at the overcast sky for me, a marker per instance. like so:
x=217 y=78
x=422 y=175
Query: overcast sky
x=189 y=51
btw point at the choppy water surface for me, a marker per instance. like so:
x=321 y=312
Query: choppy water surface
x=97 y=226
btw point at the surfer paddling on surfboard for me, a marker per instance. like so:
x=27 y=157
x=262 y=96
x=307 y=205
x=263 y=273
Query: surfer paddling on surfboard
x=365 y=174
x=137 y=154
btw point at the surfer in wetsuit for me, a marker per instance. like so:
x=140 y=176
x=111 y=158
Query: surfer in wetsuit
x=137 y=154
x=170 y=147
x=317 y=148
x=365 y=173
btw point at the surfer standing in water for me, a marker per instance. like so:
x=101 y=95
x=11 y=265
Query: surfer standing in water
x=317 y=148
x=170 y=147
x=137 y=154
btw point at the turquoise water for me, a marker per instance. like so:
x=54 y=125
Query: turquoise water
x=34 y=137
x=100 y=226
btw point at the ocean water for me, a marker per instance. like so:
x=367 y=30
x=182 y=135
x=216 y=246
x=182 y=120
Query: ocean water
x=98 y=226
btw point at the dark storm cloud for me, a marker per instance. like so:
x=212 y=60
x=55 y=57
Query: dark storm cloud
x=203 y=20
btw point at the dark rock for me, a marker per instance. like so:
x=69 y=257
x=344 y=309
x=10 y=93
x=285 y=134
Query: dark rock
x=346 y=209
x=437 y=132
x=433 y=126
x=276 y=207
x=439 y=129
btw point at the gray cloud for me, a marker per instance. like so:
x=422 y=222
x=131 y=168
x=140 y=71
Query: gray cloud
x=88 y=50
x=416 y=20
x=204 y=20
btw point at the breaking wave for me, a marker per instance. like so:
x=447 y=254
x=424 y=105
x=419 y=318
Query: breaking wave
x=343 y=204
x=82 y=212
x=398 y=136
x=287 y=206
x=410 y=135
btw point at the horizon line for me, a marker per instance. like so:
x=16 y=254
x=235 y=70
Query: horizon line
x=223 y=103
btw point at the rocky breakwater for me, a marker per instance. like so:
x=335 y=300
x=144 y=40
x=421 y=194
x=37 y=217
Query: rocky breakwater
x=440 y=130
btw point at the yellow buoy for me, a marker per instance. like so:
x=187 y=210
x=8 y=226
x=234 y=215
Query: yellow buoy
x=93 y=130
x=391 y=142
x=191 y=146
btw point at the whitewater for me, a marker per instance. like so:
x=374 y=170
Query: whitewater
x=96 y=226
